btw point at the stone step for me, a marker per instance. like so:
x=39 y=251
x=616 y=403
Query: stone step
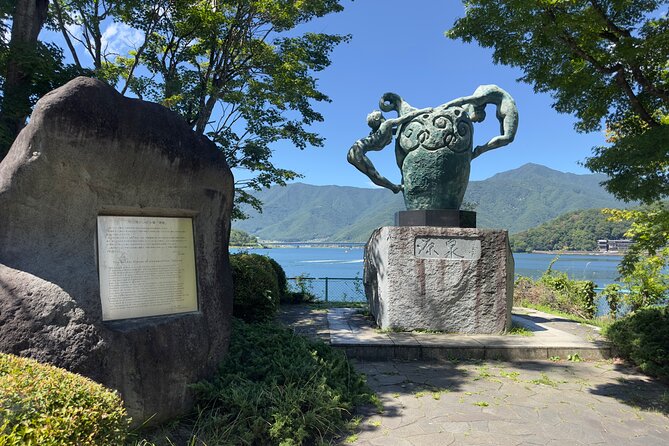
x=551 y=337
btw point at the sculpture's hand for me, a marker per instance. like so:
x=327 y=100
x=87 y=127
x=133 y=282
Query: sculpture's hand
x=397 y=188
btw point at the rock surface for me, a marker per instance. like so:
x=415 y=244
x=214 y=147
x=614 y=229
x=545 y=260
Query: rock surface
x=85 y=151
x=457 y=280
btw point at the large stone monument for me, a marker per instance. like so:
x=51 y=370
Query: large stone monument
x=114 y=223
x=434 y=270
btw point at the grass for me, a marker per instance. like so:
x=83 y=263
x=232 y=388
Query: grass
x=519 y=330
x=513 y=376
x=601 y=322
x=544 y=380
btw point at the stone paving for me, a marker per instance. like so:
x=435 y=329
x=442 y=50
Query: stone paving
x=489 y=402
x=513 y=403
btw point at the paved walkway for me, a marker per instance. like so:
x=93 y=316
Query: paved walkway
x=513 y=403
x=448 y=401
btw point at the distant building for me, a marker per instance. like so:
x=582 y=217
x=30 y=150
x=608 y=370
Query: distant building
x=606 y=245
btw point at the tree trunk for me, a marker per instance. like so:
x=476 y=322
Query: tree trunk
x=29 y=17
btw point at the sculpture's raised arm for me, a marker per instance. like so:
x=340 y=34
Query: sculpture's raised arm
x=433 y=146
x=507 y=114
x=380 y=136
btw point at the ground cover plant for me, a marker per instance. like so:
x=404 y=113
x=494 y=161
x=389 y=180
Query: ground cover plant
x=276 y=387
x=48 y=406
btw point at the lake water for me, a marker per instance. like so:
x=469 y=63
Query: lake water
x=340 y=262
x=348 y=263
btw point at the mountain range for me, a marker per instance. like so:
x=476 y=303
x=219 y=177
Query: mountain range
x=515 y=200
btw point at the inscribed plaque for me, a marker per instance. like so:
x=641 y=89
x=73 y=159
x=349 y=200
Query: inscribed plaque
x=447 y=248
x=146 y=266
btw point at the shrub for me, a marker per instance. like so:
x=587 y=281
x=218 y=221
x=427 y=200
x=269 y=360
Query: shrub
x=281 y=278
x=613 y=296
x=256 y=287
x=643 y=337
x=48 y=406
x=647 y=283
x=301 y=293
x=278 y=388
x=556 y=291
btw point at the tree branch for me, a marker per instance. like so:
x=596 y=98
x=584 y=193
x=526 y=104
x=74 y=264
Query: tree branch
x=66 y=35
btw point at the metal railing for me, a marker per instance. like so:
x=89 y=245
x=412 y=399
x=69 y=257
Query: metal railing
x=345 y=289
x=330 y=289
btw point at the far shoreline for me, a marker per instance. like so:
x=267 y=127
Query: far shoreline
x=581 y=253
x=307 y=245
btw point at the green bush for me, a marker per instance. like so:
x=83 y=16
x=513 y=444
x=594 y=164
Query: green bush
x=48 y=406
x=278 y=388
x=643 y=337
x=281 y=278
x=256 y=287
x=558 y=292
x=613 y=297
x=301 y=293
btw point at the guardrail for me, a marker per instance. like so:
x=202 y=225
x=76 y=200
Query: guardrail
x=343 y=289
x=330 y=289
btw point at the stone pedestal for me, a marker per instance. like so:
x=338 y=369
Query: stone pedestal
x=452 y=218
x=457 y=280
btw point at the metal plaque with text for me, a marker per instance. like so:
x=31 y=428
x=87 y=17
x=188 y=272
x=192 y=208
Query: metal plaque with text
x=146 y=266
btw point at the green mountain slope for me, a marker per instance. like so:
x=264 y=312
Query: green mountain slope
x=515 y=200
x=576 y=231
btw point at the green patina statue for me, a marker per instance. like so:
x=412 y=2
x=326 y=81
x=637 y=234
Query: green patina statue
x=434 y=145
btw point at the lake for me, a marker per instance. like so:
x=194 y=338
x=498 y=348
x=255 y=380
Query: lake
x=348 y=263
x=340 y=262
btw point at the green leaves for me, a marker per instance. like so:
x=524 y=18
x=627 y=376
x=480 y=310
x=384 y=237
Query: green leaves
x=643 y=267
x=235 y=70
x=46 y=405
x=637 y=165
x=278 y=388
x=605 y=61
x=643 y=337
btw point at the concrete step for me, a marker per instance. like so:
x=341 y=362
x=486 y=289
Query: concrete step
x=551 y=337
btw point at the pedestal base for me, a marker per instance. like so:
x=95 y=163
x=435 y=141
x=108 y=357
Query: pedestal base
x=457 y=280
x=451 y=218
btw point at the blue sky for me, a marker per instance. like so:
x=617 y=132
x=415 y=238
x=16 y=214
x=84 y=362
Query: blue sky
x=400 y=46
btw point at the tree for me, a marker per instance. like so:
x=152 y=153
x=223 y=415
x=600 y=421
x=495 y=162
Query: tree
x=29 y=68
x=606 y=62
x=229 y=67
x=603 y=60
x=644 y=265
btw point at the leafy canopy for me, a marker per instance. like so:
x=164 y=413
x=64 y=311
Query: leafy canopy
x=644 y=267
x=604 y=61
x=238 y=71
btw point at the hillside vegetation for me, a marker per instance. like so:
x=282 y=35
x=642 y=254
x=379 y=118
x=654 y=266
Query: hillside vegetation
x=514 y=200
x=241 y=238
x=574 y=231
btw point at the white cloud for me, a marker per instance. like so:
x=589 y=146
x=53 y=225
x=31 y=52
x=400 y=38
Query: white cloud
x=7 y=30
x=119 y=38
x=75 y=29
